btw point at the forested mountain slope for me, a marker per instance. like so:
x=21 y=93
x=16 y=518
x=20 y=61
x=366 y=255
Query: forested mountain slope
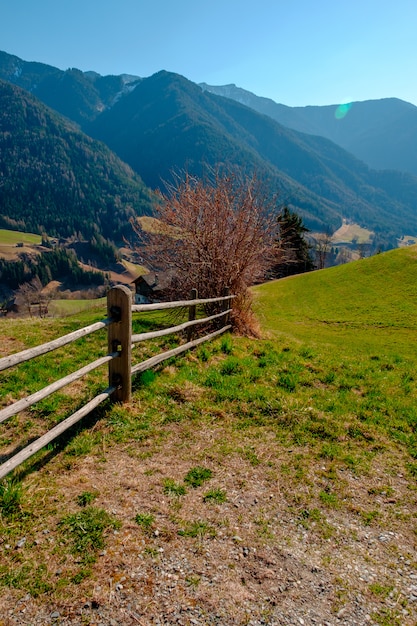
x=56 y=179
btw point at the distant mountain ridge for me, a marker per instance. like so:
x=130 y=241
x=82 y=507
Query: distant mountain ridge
x=382 y=133
x=166 y=123
x=80 y=96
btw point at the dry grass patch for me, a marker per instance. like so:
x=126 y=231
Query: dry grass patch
x=186 y=392
x=10 y=345
x=269 y=544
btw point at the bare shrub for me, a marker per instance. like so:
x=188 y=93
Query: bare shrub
x=33 y=298
x=213 y=233
x=322 y=247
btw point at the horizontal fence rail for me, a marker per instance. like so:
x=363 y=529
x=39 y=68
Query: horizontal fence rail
x=155 y=360
x=25 y=403
x=176 y=329
x=31 y=353
x=160 y=306
x=52 y=434
x=120 y=341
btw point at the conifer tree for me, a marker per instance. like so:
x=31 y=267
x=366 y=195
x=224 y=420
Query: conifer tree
x=292 y=251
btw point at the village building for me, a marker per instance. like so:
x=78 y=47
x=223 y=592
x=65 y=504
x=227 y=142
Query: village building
x=153 y=287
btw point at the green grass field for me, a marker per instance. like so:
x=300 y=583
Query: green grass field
x=350 y=233
x=314 y=426
x=13 y=237
x=365 y=306
x=62 y=308
x=13 y=243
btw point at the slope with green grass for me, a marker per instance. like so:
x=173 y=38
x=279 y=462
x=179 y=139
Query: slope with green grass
x=269 y=480
x=14 y=243
x=14 y=237
x=363 y=306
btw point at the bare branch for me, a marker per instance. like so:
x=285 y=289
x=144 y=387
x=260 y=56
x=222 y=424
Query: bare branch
x=213 y=233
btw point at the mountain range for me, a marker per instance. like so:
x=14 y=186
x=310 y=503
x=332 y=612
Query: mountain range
x=382 y=133
x=166 y=123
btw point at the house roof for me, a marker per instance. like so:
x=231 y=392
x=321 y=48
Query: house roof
x=156 y=281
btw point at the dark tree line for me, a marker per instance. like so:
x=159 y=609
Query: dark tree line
x=56 y=264
x=105 y=249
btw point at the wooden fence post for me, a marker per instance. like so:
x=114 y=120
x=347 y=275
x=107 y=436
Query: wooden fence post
x=192 y=313
x=226 y=305
x=119 y=308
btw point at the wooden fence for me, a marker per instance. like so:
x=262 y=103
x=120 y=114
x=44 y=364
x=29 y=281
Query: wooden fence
x=119 y=358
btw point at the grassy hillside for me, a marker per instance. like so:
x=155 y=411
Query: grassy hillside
x=250 y=481
x=351 y=232
x=72 y=307
x=13 y=237
x=365 y=306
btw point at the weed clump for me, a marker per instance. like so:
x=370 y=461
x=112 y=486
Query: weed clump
x=10 y=498
x=412 y=469
x=226 y=345
x=288 y=381
x=218 y=496
x=197 y=476
x=85 y=531
x=231 y=366
x=172 y=488
x=145 y=521
x=34 y=579
x=146 y=378
x=197 y=529
x=87 y=497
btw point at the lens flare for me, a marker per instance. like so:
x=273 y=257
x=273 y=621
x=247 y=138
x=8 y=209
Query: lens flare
x=342 y=110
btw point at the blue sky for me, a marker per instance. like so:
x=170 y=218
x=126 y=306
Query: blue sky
x=297 y=52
